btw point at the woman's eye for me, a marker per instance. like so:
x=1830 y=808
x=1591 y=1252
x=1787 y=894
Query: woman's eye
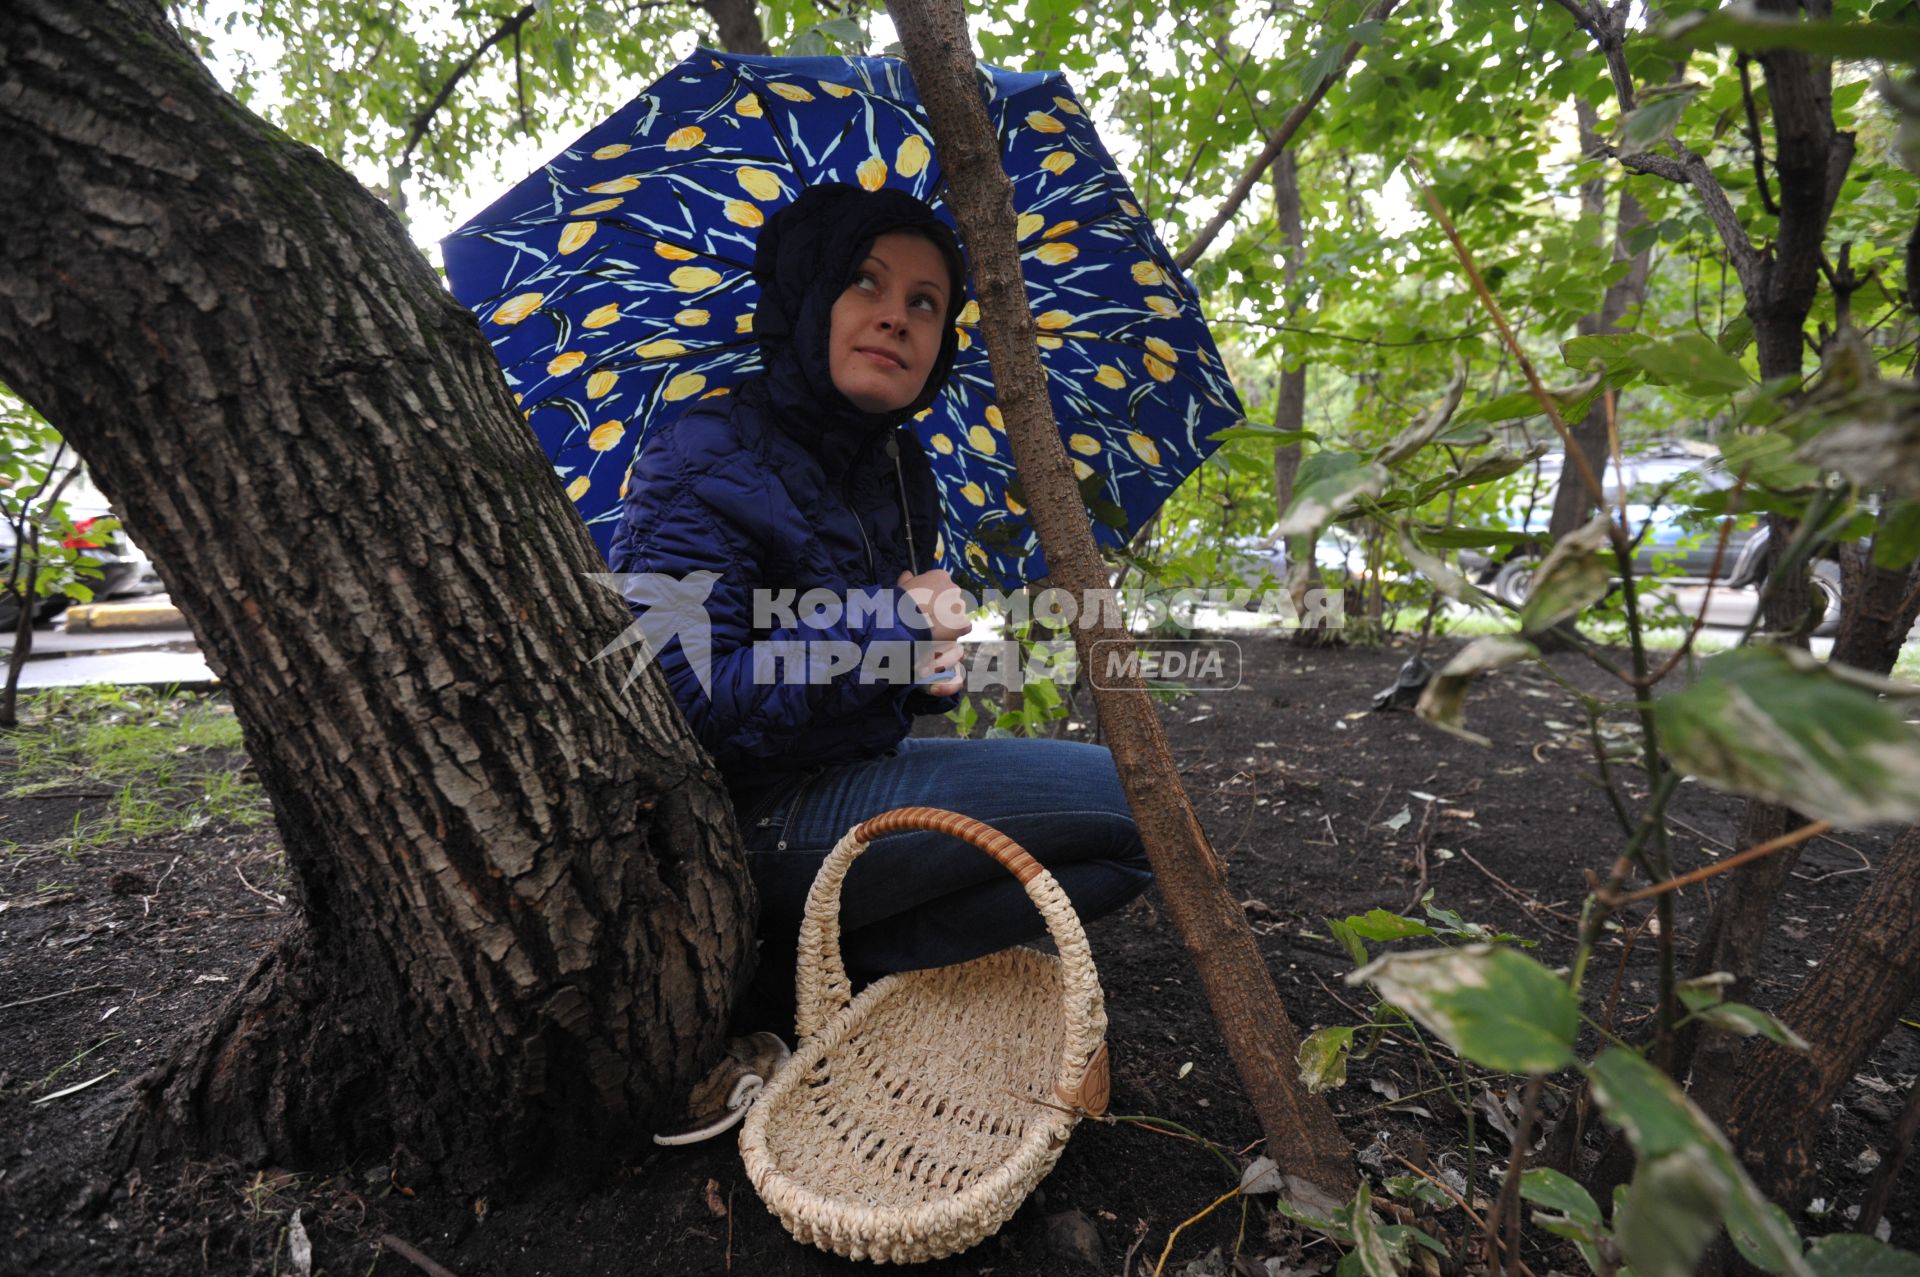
x=864 y=282
x=925 y=301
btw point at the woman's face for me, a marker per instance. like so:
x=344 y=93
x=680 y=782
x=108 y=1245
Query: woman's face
x=886 y=328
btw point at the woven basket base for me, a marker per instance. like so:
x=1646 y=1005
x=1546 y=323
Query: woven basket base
x=943 y=1083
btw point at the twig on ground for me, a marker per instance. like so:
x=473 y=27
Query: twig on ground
x=146 y=901
x=278 y=902
x=64 y=993
x=1229 y=1195
x=413 y=1256
x=1506 y=1207
x=1473 y=1216
x=1139 y=1237
x=1519 y=897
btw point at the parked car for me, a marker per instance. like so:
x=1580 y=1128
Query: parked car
x=118 y=566
x=1670 y=542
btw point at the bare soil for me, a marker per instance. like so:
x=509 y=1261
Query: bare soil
x=109 y=954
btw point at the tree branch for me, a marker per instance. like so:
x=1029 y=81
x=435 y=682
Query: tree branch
x=1689 y=169
x=1753 y=138
x=1187 y=256
x=418 y=129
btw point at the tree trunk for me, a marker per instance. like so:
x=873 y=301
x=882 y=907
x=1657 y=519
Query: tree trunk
x=1867 y=977
x=1572 y=503
x=525 y=913
x=739 y=24
x=1301 y=1133
x=1879 y=606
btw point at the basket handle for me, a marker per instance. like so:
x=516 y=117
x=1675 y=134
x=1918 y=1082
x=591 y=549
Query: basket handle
x=822 y=989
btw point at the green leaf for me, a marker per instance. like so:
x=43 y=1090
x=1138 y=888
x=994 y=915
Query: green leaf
x=1378 y=924
x=1660 y=1122
x=1746 y=1021
x=1775 y=723
x=1851 y=1255
x=1574 y=574
x=1446 y=579
x=1323 y=1058
x=1753 y=31
x=1377 y=1257
x=1278 y=438
x=1328 y=484
x=1349 y=940
x=1551 y=1189
x=1643 y=129
x=1897 y=543
x=1443 y=700
x=1496 y=1007
x=1414 y=1188
x=1692 y=365
x=1611 y=353
x=1671 y=1211
x=1471 y=538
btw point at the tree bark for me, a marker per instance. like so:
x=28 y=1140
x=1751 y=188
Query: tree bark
x=1870 y=974
x=525 y=912
x=1572 y=503
x=739 y=24
x=1301 y=1133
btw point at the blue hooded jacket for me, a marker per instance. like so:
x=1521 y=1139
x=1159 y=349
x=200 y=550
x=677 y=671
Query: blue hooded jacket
x=786 y=485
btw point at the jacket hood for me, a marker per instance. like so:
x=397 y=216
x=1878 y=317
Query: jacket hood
x=805 y=258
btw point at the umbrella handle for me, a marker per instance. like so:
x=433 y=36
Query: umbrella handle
x=906 y=515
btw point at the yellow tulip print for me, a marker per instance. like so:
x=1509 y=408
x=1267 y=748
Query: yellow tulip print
x=744 y=213
x=612 y=152
x=1144 y=448
x=515 y=309
x=717 y=391
x=578 y=488
x=694 y=279
x=1148 y=274
x=606 y=434
x=942 y=445
x=982 y=440
x=562 y=364
x=791 y=92
x=836 y=90
x=1130 y=208
x=976 y=556
x=1054 y=319
x=1041 y=122
x=1057 y=253
x=872 y=173
x=603 y=316
x=970 y=313
x=598 y=206
x=1162 y=351
x=1081 y=470
x=666 y=348
x=974 y=493
x=692 y=317
x=1046 y=341
x=757 y=182
x=1155 y=369
x=1085 y=445
x=743 y=323
x=912 y=156
x=961 y=339
x=1165 y=307
x=1058 y=229
x=687 y=138
x=1057 y=162
x=673 y=252
x=1110 y=377
x=575 y=236
x=1068 y=105
x=1028 y=224
x=1014 y=507
x=600 y=383
x=749 y=106
x=615 y=186
x=994 y=418
x=684 y=386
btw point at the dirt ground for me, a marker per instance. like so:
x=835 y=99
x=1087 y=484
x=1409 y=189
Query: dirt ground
x=1319 y=807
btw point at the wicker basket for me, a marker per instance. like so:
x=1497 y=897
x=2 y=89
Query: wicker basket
x=913 y=1120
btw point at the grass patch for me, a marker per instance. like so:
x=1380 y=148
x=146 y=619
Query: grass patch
x=165 y=763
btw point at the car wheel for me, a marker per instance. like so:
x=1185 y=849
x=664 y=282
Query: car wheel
x=1826 y=589
x=1513 y=580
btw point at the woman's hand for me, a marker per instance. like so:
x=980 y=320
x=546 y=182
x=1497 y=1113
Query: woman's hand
x=945 y=606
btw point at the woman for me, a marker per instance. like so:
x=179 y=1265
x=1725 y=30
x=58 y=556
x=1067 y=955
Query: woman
x=806 y=479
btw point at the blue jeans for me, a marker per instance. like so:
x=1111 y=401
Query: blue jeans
x=922 y=899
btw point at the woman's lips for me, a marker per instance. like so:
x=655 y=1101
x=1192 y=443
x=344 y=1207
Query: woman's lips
x=883 y=359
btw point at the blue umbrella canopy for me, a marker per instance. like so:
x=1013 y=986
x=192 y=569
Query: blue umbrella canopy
x=616 y=286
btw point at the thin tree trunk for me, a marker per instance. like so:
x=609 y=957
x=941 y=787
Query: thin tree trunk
x=739 y=23
x=1869 y=975
x=1301 y=1133
x=1572 y=503
x=525 y=912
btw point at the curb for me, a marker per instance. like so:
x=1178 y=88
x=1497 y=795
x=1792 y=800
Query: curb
x=160 y=615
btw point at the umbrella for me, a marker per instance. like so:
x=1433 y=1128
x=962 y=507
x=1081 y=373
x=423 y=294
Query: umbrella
x=616 y=286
